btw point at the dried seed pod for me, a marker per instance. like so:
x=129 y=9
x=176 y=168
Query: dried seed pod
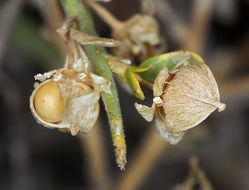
x=182 y=100
x=67 y=100
x=138 y=37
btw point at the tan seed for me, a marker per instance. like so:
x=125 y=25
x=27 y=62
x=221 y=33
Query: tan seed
x=49 y=103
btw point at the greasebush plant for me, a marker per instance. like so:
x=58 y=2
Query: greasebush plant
x=184 y=88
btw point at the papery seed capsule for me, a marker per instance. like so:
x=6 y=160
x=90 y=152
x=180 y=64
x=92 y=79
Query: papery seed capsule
x=188 y=99
x=182 y=100
x=67 y=100
x=49 y=103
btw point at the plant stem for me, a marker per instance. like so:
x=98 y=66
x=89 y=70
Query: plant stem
x=147 y=154
x=114 y=23
x=100 y=64
x=93 y=146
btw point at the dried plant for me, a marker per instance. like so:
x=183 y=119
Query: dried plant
x=139 y=35
x=196 y=176
x=184 y=88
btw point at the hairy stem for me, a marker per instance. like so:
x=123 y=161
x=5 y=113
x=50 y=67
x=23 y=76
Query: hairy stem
x=100 y=64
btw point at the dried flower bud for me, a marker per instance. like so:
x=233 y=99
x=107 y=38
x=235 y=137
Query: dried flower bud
x=182 y=100
x=138 y=36
x=67 y=100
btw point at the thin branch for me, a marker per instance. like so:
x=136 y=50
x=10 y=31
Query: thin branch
x=92 y=145
x=197 y=31
x=196 y=175
x=192 y=36
x=173 y=24
x=54 y=18
x=114 y=23
x=147 y=153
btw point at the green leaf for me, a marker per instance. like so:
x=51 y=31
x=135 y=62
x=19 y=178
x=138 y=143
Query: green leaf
x=133 y=83
x=169 y=60
x=136 y=69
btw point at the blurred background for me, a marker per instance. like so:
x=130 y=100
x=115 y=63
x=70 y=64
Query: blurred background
x=214 y=155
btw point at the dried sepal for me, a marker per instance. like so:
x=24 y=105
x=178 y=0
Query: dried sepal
x=86 y=39
x=83 y=112
x=44 y=76
x=68 y=31
x=146 y=112
x=81 y=65
x=184 y=99
x=172 y=137
x=160 y=82
x=101 y=84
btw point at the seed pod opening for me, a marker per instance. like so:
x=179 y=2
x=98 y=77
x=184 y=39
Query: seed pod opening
x=138 y=37
x=63 y=100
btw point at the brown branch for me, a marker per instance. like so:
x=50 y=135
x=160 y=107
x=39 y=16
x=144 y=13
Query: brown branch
x=92 y=145
x=143 y=161
x=173 y=24
x=114 y=23
x=197 y=31
x=54 y=18
x=196 y=175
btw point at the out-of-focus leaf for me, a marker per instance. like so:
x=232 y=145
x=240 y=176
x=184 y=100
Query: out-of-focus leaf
x=27 y=36
x=169 y=60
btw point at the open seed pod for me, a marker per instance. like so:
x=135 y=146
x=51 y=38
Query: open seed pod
x=182 y=100
x=67 y=100
x=138 y=37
